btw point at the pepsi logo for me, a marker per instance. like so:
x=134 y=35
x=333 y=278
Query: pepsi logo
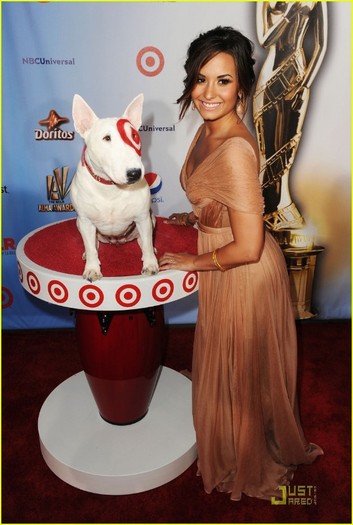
x=154 y=181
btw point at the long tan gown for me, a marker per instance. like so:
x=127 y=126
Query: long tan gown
x=248 y=430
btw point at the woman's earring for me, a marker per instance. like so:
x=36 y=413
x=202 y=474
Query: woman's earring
x=192 y=106
x=240 y=107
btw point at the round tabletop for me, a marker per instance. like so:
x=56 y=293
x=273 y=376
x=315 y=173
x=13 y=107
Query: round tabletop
x=50 y=268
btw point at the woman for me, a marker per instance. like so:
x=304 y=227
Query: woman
x=248 y=432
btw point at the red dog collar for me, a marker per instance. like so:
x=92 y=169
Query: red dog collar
x=91 y=172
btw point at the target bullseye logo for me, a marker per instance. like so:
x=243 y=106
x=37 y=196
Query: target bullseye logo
x=58 y=292
x=150 y=61
x=7 y=298
x=91 y=296
x=163 y=290
x=33 y=283
x=190 y=281
x=128 y=295
x=129 y=134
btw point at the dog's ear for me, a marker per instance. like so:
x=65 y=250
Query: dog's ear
x=84 y=117
x=134 y=111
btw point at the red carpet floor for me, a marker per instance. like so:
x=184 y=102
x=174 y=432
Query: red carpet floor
x=35 y=362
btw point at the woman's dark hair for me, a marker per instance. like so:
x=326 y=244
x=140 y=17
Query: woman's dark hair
x=209 y=44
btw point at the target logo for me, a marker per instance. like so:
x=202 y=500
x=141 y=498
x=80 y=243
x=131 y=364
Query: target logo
x=58 y=292
x=7 y=298
x=150 y=61
x=128 y=295
x=129 y=134
x=163 y=290
x=33 y=283
x=190 y=281
x=91 y=296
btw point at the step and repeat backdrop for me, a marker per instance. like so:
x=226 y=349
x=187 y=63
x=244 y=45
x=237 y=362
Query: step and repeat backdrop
x=109 y=52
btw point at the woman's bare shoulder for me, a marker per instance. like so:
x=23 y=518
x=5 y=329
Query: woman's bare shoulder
x=244 y=141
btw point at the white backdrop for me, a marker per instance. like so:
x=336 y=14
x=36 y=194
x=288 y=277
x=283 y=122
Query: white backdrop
x=110 y=52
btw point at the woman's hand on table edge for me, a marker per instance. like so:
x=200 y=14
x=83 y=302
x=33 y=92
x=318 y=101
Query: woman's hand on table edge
x=177 y=261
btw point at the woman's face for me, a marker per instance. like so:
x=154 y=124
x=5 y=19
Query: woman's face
x=215 y=93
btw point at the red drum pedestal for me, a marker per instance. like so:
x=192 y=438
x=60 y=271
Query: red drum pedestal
x=122 y=355
x=88 y=440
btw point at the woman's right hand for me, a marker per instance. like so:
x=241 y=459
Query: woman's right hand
x=181 y=219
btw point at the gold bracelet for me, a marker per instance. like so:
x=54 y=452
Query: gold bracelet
x=214 y=259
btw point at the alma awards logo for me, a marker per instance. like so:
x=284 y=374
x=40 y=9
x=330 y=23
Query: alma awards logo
x=58 y=186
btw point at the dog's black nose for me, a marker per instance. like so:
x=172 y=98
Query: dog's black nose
x=133 y=175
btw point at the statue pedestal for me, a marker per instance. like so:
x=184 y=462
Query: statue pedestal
x=300 y=253
x=301 y=265
x=120 y=329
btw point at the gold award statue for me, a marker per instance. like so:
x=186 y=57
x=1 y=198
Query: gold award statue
x=295 y=35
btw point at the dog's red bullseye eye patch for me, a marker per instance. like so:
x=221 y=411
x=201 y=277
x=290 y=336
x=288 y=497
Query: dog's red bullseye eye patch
x=129 y=134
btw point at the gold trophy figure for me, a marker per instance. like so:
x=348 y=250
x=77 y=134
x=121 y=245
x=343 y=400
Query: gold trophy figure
x=295 y=34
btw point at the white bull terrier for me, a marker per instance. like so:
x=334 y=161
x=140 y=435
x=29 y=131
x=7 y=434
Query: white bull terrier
x=109 y=191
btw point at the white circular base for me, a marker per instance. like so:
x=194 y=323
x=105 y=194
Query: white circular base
x=87 y=452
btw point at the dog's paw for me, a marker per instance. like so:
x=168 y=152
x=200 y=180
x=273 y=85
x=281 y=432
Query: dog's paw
x=92 y=274
x=152 y=269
